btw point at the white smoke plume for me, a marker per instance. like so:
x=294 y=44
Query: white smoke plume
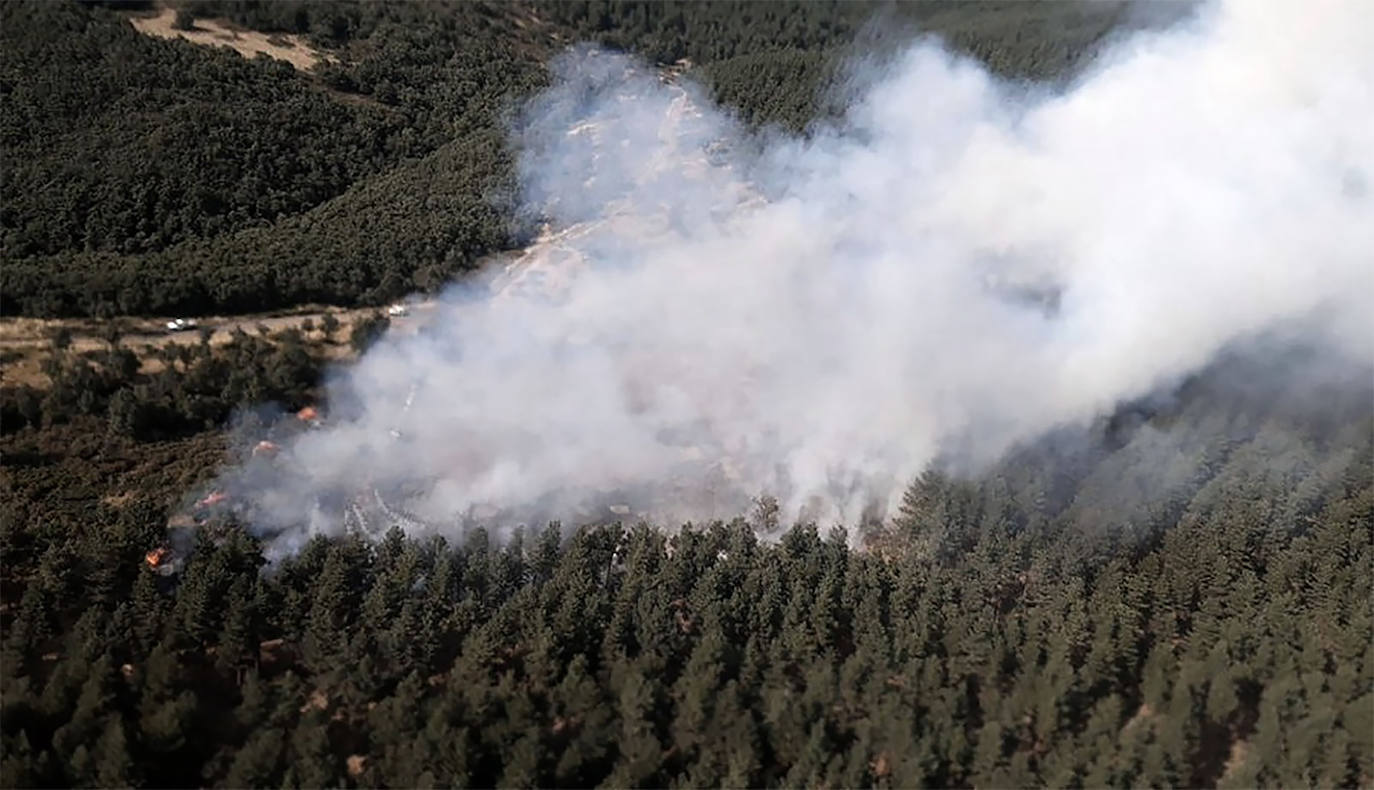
x=959 y=266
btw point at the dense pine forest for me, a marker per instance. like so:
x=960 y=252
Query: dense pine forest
x=147 y=176
x=1180 y=594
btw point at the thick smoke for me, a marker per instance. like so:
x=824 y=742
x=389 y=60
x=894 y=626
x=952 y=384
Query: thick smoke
x=959 y=266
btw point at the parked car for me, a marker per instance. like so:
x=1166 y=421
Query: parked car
x=398 y=310
x=181 y=324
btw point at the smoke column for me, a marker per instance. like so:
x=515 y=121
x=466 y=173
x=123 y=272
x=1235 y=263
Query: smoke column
x=960 y=265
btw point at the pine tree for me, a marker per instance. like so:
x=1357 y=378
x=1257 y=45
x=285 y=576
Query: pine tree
x=114 y=764
x=639 y=751
x=166 y=705
x=310 y=760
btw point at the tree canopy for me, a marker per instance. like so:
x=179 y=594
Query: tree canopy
x=1179 y=597
x=152 y=176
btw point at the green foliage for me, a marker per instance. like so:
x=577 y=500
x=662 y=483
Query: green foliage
x=1188 y=605
x=999 y=632
x=329 y=325
x=152 y=176
x=184 y=20
x=118 y=142
x=195 y=388
x=366 y=331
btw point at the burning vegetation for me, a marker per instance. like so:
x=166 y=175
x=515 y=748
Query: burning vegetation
x=156 y=557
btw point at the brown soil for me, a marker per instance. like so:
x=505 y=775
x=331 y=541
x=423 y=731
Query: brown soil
x=1239 y=751
x=219 y=33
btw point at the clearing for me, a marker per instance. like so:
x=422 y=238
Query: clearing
x=220 y=33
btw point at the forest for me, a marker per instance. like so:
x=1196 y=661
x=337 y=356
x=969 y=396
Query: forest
x=1178 y=594
x=151 y=177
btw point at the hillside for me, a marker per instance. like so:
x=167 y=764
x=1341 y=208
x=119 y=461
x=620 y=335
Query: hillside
x=1168 y=587
x=150 y=176
x=1178 y=597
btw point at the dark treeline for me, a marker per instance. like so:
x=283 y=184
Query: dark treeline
x=1181 y=598
x=146 y=176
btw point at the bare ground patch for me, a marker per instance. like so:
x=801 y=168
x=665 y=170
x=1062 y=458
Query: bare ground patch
x=219 y=33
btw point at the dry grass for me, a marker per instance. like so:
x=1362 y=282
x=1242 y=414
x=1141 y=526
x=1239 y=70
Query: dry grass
x=218 y=33
x=26 y=342
x=1235 y=759
x=24 y=368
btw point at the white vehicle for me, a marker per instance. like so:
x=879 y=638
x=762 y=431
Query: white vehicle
x=398 y=310
x=181 y=324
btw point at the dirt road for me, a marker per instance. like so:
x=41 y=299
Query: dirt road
x=89 y=334
x=549 y=264
x=510 y=272
x=26 y=342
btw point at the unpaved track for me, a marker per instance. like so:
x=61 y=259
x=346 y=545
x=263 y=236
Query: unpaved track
x=509 y=273
x=548 y=264
x=87 y=334
x=26 y=342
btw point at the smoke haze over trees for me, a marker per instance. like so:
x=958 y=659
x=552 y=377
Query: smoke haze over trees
x=1182 y=601
x=955 y=266
x=1066 y=328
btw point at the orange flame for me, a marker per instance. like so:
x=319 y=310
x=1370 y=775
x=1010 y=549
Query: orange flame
x=213 y=498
